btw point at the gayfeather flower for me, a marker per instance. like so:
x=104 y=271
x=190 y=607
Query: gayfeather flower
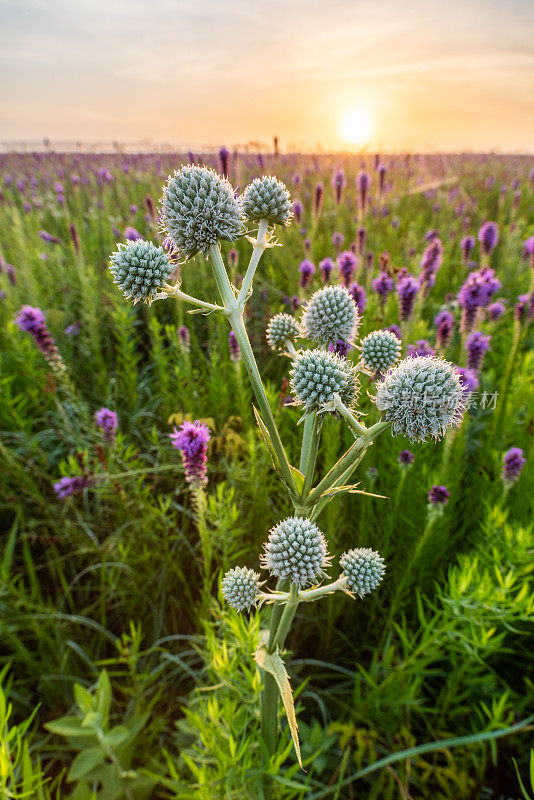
x=338 y=183
x=528 y=249
x=467 y=246
x=381 y=169
x=306 y=269
x=524 y=308
x=337 y=240
x=476 y=293
x=233 y=257
x=326 y=266
x=359 y=296
x=363 y=182
x=318 y=195
x=407 y=288
x=383 y=285
x=468 y=379
x=496 y=310
x=32 y=321
x=223 y=158
x=131 y=234
x=444 y=323
x=298 y=210
x=361 y=239
x=340 y=347
x=406 y=458
x=233 y=347
x=108 y=422
x=512 y=463
x=431 y=261
x=184 y=337
x=74 y=485
x=488 y=236
x=347 y=263
x=438 y=495
x=192 y=440
x=49 y=238
x=420 y=348
x=476 y=345
x=396 y=330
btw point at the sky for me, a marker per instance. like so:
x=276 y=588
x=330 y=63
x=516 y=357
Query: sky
x=336 y=74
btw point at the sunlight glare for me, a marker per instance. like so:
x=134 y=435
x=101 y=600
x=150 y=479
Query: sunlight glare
x=356 y=125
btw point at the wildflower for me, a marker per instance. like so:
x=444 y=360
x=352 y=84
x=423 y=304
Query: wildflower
x=108 y=422
x=340 y=347
x=74 y=485
x=438 y=495
x=131 y=234
x=233 y=257
x=361 y=239
x=468 y=380
x=192 y=440
x=421 y=397
x=488 y=236
x=512 y=464
x=233 y=347
x=326 y=266
x=318 y=374
x=380 y=350
x=297 y=209
x=524 y=308
x=431 y=261
x=420 y=348
x=330 y=314
x=318 y=199
x=406 y=459
x=363 y=182
x=31 y=320
x=364 y=569
x=528 y=249
x=240 y=587
x=49 y=238
x=339 y=182
x=184 y=338
x=337 y=240
x=198 y=209
x=267 y=198
x=359 y=296
x=496 y=310
x=347 y=263
x=407 y=288
x=140 y=269
x=476 y=293
x=476 y=345
x=444 y=323
x=306 y=269
x=296 y=549
x=282 y=328
x=223 y=158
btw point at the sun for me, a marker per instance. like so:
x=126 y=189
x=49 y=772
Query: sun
x=356 y=125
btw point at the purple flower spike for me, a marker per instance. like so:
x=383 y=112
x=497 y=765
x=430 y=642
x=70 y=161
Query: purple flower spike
x=184 y=337
x=512 y=463
x=407 y=288
x=468 y=379
x=69 y=486
x=363 y=182
x=467 y=246
x=306 y=269
x=488 y=236
x=32 y=321
x=318 y=195
x=396 y=330
x=420 y=348
x=347 y=263
x=131 y=234
x=298 y=210
x=431 y=261
x=359 y=296
x=233 y=347
x=406 y=458
x=326 y=266
x=340 y=347
x=438 y=495
x=338 y=183
x=496 y=310
x=444 y=323
x=223 y=158
x=108 y=422
x=337 y=240
x=192 y=440
x=383 y=285
x=477 y=346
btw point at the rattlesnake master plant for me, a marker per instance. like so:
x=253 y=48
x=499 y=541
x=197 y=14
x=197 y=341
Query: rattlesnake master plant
x=420 y=397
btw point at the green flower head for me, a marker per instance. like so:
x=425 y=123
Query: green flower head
x=267 y=198
x=140 y=269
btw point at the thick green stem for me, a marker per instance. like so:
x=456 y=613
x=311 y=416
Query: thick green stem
x=311 y=437
x=288 y=613
x=257 y=252
x=238 y=327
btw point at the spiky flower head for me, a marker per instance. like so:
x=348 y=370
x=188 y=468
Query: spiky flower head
x=296 y=549
x=198 y=209
x=364 y=569
x=139 y=269
x=318 y=374
x=380 y=350
x=240 y=587
x=267 y=198
x=331 y=314
x=281 y=328
x=512 y=463
x=421 y=397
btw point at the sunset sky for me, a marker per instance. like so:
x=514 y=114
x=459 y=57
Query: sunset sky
x=337 y=73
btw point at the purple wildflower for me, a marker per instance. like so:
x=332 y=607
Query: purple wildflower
x=184 y=337
x=496 y=310
x=381 y=169
x=306 y=269
x=339 y=182
x=347 y=263
x=512 y=463
x=318 y=195
x=359 y=296
x=326 y=266
x=407 y=288
x=383 y=285
x=396 y=330
x=223 y=158
x=528 y=249
x=444 y=323
x=133 y=209
x=406 y=458
x=233 y=347
x=32 y=321
x=108 y=422
x=74 y=485
x=524 y=308
x=74 y=329
x=475 y=293
x=420 y=348
x=340 y=347
x=337 y=240
x=233 y=257
x=468 y=379
x=298 y=210
x=488 y=236
x=361 y=239
x=476 y=345
x=50 y=238
x=431 y=261
x=438 y=495
x=192 y=440
x=131 y=234
x=363 y=182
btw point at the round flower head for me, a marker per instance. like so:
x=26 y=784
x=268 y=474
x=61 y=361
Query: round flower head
x=364 y=569
x=198 y=209
x=421 y=397
x=280 y=328
x=380 y=350
x=317 y=375
x=139 y=269
x=330 y=315
x=267 y=198
x=240 y=587
x=296 y=549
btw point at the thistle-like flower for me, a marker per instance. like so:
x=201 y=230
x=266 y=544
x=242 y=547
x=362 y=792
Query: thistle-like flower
x=331 y=314
x=421 y=397
x=380 y=350
x=317 y=375
x=364 y=569
x=240 y=587
x=267 y=198
x=296 y=549
x=282 y=327
x=198 y=209
x=140 y=269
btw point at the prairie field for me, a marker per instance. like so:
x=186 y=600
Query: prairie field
x=125 y=673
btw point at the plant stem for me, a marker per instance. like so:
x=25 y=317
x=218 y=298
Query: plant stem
x=505 y=386
x=311 y=437
x=257 y=252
